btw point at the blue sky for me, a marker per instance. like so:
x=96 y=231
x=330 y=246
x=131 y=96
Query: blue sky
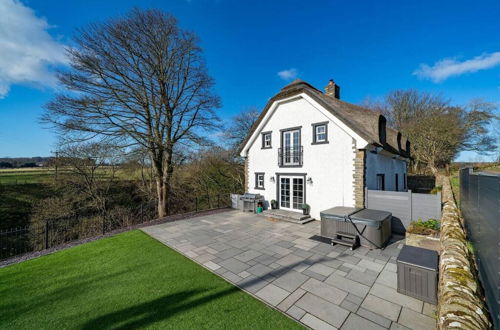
x=368 y=47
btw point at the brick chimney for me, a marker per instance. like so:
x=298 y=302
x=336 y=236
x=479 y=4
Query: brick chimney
x=332 y=89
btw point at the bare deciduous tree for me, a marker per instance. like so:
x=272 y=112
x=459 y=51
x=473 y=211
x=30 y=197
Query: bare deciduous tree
x=240 y=125
x=138 y=81
x=437 y=131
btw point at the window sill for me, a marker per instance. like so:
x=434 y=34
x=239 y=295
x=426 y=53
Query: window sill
x=323 y=142
x=259 y=188
x=266 y=147
x=290 y=165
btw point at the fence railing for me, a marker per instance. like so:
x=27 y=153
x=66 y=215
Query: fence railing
x=405 y=206
x=54 y=232
x=480 y=207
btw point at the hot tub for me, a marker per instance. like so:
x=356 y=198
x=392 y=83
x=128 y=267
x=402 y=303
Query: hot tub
x=373 y=226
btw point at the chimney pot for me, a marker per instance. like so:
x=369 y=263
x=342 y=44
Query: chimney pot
x=332 y=89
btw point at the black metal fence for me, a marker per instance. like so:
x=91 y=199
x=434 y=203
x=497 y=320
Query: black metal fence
x=54 y=232
x=480 y=207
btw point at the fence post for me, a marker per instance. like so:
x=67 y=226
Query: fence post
x=47 y=234
x=410 y=200
x=366 y=197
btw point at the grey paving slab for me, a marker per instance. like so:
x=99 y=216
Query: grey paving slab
x=265 y=259
x=252 y=283
x=355 y=299
x=290 y=260
x=382 y=307
x=314 y=282
x=314 y=275
x=324 y=291
x=379 y=319
x=322 y=309
x=272 y=294
x=234 y=265
x=232 y=277
x=392 y=295
x=248 y=255
x=229 y=253
x=356 y=322
x=291 y=299
x=350 y=306
x=321 y=269
x=296 y=312
x=416 y=321
x=290 y=280
x=348 y=285
x=259 y=270
x=388 y=278
x=315 y=323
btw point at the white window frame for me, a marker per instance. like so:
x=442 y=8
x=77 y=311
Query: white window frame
x=320 y=129
x=266 y=140
x=259 y=180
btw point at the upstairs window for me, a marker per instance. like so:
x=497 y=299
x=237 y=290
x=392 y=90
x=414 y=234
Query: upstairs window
x=380 y=182
x=259 y=180
x=320 y=133
x=266 y=140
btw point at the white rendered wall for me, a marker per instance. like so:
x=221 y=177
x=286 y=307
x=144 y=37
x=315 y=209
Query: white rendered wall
x=330 y=166
x=384 y=164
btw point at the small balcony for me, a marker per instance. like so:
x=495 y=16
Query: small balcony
x=290 y=157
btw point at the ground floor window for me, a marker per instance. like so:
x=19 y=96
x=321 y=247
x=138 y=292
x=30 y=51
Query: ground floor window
x=396 y=178
x=259 y=180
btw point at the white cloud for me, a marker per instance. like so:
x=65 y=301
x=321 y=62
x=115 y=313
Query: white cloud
x=449 y=67
x=288 y=74
x=28 y=54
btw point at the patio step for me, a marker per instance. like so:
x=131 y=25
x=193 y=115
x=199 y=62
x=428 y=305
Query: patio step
x=346 y=239
x=289 y=216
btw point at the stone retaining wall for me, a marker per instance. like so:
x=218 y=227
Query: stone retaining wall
x=460 y=300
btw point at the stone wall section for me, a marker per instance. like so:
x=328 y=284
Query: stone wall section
x=460 y=300
x=359 y=175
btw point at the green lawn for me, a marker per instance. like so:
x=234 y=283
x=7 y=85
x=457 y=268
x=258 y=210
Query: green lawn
x=125 y=281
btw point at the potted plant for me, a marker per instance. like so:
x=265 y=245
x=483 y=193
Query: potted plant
x=305 y=209
x=274 y=204
x=260 y=207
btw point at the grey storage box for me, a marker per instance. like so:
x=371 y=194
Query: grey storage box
x=374 y=225
x=418 y=273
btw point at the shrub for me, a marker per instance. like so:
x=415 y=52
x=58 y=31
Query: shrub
x=429 y=227
x=436 y=189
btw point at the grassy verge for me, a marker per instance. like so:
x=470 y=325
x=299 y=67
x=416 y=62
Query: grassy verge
x=126 y=281
x=455 y=186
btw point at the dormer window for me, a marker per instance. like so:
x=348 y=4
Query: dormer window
x=320 y=133
x=266 y=140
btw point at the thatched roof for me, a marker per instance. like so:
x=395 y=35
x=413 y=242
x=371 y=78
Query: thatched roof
x=363 y=121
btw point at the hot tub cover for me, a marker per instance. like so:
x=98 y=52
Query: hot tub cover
x=367 y=217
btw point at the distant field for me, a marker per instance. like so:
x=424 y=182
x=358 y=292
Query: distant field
x=26 y=175
x=47 y=175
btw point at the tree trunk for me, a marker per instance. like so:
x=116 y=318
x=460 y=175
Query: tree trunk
x=161 y=189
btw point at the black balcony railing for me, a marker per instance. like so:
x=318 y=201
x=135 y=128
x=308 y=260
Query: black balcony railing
x=291 y=156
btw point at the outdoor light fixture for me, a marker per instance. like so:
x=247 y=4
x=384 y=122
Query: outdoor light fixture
x=309 y=180
x=272 y=178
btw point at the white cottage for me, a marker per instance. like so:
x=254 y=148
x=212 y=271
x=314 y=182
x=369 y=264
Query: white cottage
x=309 y=147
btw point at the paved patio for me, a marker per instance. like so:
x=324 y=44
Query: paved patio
x=319 y=285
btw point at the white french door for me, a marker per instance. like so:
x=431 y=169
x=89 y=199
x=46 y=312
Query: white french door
x=291 y=193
